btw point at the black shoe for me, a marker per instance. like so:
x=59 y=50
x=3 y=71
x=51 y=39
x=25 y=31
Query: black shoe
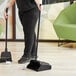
x=24 y=60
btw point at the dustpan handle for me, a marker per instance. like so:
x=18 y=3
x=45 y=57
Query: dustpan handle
x=6 y=30
x=38 y=29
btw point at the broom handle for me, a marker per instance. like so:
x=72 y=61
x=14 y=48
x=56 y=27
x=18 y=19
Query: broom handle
x=6 y=30
x=38 y=29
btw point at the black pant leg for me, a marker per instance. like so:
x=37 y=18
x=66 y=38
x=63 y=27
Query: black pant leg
x=34 y=50
x=28 y=20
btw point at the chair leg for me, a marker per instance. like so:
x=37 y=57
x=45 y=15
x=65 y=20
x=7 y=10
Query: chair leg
x=60 y=43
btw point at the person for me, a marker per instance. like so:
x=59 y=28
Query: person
x=28 y=15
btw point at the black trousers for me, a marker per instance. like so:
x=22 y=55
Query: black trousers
x=28 y=20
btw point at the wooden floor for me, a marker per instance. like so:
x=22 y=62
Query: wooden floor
x=62 y=59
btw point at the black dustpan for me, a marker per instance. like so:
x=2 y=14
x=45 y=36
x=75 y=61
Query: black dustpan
x=37 y=65
x=6 y=56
